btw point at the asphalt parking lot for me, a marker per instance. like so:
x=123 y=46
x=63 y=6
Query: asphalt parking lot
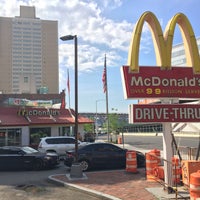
x=32 y=185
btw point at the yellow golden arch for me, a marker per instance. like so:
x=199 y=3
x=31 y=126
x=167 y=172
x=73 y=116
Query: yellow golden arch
x=163 y=44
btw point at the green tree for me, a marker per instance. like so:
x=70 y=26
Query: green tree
x=116 y=124
x=89 y=128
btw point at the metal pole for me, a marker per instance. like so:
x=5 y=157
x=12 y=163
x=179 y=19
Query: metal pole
x=96 y=126
x=76 y=169
x=76 y=96
x=96 y=121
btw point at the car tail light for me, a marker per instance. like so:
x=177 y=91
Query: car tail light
x=69 y=154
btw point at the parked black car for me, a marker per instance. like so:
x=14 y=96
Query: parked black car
x=18 y=158
x=101 y=155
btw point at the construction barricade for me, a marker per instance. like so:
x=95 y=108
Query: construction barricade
x=131 y=161
x=176 y=170
x=159 y=172
x=188 y=167
x=152 y=161
x=119 y=140
x=195 y=185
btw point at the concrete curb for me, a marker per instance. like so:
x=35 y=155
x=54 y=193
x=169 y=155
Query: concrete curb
x=161 y=134
x=82 y=189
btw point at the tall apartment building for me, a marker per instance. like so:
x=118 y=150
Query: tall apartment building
x=179 y=59
x=178 y=54
x=28 y=53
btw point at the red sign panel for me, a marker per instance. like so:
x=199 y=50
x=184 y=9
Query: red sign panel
x=164 y=113
x=155 y=82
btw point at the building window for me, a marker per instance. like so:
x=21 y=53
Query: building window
x=10 y=137
x=37 y=133
x=25 y=79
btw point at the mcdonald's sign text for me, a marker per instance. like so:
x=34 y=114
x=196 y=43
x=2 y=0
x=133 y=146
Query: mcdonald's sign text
x=154 y=82
x=164 y=113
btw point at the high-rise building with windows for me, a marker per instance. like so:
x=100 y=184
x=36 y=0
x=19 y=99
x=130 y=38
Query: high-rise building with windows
x=178 y=54
x=28 y=54
x=179 y=59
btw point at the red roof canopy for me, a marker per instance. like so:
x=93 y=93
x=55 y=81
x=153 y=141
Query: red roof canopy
x=18 y=116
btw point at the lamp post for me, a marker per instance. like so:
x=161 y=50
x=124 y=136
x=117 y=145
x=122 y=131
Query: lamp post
x=96 y=117
x=66 y=38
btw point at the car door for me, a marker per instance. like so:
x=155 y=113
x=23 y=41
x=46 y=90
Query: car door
x=70 y=144
x=116 y=157
x=64 y=144
x=10 y=159
x=4 y=162
x=99 y=156
x=60 y=145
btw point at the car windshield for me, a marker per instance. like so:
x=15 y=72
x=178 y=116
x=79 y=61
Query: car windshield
x=29 y=150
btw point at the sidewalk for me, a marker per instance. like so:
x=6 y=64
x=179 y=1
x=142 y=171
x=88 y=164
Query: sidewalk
x=114 y=185
x=118 y=185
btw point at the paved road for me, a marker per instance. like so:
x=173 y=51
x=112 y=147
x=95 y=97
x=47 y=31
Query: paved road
x=34 y=185
x=29 y=177
x=152 y=141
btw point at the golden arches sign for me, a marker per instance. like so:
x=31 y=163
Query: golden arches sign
x=163 y=44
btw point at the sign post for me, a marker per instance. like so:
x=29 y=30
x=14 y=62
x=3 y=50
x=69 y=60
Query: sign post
x=167 y=152
x=167 y=147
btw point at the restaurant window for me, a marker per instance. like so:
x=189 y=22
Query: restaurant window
x=37 y=133
x=10 y=137
x=65 y=131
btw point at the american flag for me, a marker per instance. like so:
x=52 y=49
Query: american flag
x=104 y=77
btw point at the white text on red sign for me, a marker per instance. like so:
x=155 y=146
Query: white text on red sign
x=165 y=113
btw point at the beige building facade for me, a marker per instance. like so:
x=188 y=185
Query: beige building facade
x=28 y=54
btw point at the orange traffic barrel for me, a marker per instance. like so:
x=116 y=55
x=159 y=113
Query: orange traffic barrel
x=152 y=161
x=119 y=140
x=159 y=172
x=131 y=161
x=195 y=185
x=176 y=170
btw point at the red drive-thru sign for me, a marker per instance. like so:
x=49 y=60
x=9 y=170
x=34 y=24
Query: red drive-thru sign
x=154 y=82
x=164 y=113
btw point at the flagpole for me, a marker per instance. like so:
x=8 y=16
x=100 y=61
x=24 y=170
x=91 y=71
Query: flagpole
x=105 y=87
x=68 y=86
x=107 y=114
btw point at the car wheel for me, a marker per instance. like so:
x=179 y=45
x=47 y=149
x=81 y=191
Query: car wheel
x=38 y=164
x=85 y=165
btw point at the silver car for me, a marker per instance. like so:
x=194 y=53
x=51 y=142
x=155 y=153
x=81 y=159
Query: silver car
x=58 y=144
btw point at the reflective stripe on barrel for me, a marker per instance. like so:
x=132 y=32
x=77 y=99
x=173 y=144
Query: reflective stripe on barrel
x=131 y=161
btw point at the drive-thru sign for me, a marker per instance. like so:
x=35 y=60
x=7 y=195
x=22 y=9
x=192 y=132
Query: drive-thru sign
x=164 y=81
x=164 y=113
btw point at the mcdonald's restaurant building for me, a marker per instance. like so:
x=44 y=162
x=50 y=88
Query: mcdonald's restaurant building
x=23 y=124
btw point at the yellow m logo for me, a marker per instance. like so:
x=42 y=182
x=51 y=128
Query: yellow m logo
x=163 y=44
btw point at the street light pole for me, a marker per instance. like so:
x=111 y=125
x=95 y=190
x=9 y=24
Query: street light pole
x=66 y=38
x=96 y=118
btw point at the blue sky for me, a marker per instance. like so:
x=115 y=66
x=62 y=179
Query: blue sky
x=103 y=27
